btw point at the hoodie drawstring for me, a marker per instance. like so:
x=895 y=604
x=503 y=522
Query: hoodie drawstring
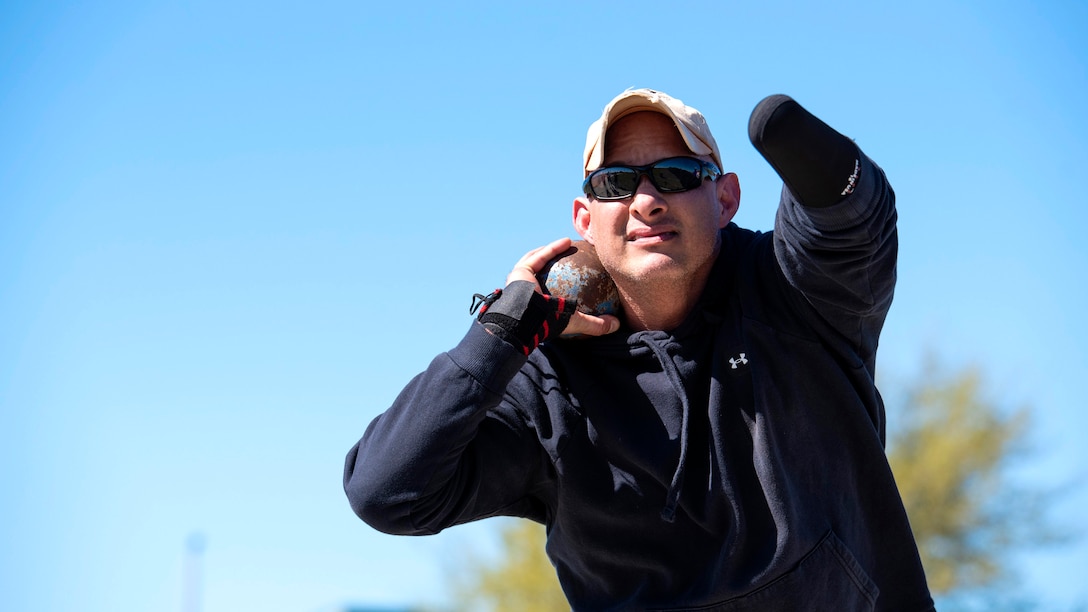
x=668 y=513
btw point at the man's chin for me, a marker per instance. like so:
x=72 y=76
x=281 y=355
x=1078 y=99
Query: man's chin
x=653 y=267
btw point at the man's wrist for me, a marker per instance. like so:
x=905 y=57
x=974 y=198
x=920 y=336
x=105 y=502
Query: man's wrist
x=523 y=317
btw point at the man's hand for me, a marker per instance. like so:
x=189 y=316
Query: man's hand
x=529 y=267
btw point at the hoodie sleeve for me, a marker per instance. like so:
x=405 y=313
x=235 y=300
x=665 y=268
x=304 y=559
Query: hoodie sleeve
x=842 y=257
x=448 y=450
x=835 y=235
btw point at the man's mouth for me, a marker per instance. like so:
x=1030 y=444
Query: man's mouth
x=651 y=235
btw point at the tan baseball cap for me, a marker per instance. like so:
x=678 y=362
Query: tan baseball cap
x=689 y=122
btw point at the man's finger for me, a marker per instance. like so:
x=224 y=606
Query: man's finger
x=582 y=324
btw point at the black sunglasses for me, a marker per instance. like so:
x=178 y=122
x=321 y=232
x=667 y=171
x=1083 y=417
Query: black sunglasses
x=671 y=175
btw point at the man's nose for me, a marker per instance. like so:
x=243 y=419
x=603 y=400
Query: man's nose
x=647 y=201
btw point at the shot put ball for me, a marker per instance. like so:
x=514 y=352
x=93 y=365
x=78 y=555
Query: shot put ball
x=578 y=274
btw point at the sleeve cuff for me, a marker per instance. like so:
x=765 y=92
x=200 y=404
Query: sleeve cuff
x=490 y=360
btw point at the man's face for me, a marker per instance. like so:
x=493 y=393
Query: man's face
x=653 y=237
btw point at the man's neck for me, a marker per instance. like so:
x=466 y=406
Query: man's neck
x=660 y=305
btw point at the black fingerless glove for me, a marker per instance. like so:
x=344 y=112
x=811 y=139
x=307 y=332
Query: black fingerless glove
x=521 y=316
x=819 y=165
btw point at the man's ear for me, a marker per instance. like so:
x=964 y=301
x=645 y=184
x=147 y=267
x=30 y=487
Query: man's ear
x=581 y=219
x=727 y=188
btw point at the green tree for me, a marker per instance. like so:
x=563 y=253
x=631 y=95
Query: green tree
x=952 y=450
x=521 y=579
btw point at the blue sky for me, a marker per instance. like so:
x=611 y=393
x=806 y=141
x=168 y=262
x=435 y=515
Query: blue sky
x=229 y=234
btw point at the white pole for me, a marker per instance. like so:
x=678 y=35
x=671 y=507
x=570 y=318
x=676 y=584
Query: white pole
x=191 y=588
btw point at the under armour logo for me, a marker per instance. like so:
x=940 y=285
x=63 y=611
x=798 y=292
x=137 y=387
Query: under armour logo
x=739 y=360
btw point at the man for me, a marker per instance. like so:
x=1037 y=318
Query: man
x=718 y=445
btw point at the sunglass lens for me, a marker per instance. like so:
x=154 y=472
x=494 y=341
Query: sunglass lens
x=673 y=175
x=613 y=183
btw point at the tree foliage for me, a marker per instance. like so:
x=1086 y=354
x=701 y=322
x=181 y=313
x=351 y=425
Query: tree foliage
x=951 y=449
x=521 y=579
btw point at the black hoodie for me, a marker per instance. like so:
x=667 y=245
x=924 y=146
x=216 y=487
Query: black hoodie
x=734 y=463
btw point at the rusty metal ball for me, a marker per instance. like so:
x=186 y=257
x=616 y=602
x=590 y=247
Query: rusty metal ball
x=578 y=274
